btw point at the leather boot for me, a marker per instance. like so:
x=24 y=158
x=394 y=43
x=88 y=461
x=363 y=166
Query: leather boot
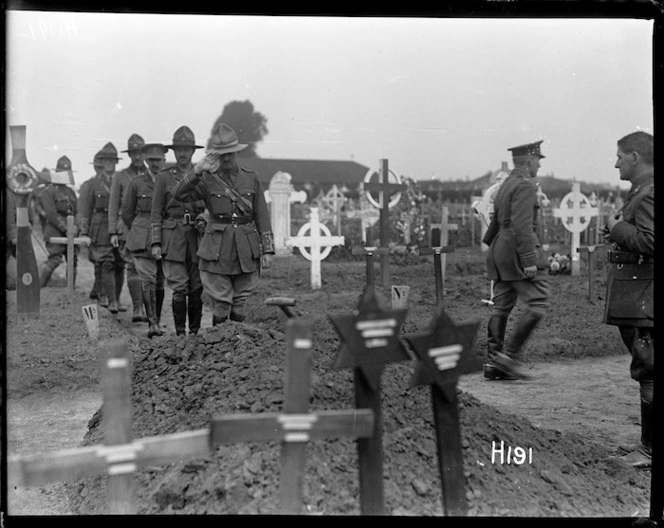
x=119 y=283
x=108 y=283
x=96 y=287
x=159 y=296
x=237 y=317
x=136 y=294
x=45 y=276
x=495 y=339
x=179 y=305
x=150 y=301
x=216 y=319
x=510 y=360
x=195 y=311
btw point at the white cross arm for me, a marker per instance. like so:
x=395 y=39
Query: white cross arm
x=78 y=241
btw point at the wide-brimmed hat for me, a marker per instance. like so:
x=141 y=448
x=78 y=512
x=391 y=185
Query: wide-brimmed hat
x=184 y=137
x=224 y=140
x=528 y=149
x=63 y=164
x=96 y=161
x=154 y=150
x=62 y=174
x=135 y=142
x=109 y=151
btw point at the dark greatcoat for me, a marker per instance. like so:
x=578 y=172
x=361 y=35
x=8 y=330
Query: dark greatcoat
x=228 y=249
x=167 y=226
x=516 y=244
x=93 y=206
x=630 y=294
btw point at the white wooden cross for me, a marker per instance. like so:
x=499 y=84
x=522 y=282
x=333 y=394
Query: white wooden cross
x=334 y=199
x=368 y=215
x=280 y=195
x=316 y=242
x=575 y=212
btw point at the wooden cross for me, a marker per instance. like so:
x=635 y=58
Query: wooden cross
x=439 y=247
x=370 y=340
x=70 y=241
x=575 y=213
x=369 y=253
x=445 y=353
x=22 y=179
x=315 y=241
x=384 y=189
x=119 y=457
x=590 y=250
x=335 y=198
x=295 y=426
x=440 y=236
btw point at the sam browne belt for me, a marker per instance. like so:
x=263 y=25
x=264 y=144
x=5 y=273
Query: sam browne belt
x=234 y=219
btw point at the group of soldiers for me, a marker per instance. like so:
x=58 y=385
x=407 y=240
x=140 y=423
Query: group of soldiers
x=152 y=223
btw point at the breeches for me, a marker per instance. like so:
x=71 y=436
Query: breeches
x=535 y=293
x=151 y=273
x=228 y=290
x=129 y=260
x=107 y=257
x=182 y=277
x=640 y=342
x=55 y=254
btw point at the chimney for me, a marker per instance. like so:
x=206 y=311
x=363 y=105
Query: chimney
x=504 y=167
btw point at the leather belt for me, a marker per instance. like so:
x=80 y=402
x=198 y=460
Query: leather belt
x=103 y=210
x=185 y=219
x=228 y=219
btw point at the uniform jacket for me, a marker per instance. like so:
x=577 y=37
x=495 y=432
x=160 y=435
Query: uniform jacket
x=57 y=201
x=136 y=208
x=629 y=299
x=167 y=218
x=229 y=249
x=515 y=244
x=118 y=188
x=93 y=207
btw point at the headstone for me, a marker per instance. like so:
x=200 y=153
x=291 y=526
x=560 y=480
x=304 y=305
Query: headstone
x=575 y=212
x=444 y=354
x=281 y=195
x=319 y=238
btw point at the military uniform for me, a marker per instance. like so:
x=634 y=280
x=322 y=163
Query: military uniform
x=136 y=209
x=93 y=203
x=238 y=230
x=97 y=290
x=172 y=225
x=57 y=202
x=513 y=246
x=117 y=227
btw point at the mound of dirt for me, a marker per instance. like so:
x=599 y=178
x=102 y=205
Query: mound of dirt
x=177 y=384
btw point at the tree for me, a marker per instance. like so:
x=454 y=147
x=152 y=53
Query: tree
x=249 y=125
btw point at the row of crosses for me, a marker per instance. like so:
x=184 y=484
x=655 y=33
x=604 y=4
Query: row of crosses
x=370 y=339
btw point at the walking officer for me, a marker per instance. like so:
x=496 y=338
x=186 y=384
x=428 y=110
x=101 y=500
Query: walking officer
x=516 y=263
x=58 y=201
x=118 y=230
x=174 y=237
x=97 y=290
x=238 y=238
x=136 y=208
x=93 y=202
x=630 y=283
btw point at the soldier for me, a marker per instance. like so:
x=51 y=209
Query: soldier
x=174 y=237
x=58 y=201
x=238 y=238
x=516 y=264
x=136 y=209
x=97 y=292
x=630 y=293
x=118 y=230
x=93 y=204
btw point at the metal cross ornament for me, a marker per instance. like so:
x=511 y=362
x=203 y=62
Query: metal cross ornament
x=370 y=338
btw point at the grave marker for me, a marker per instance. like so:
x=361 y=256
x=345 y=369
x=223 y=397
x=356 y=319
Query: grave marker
x=445 y=353
x=335 y=199
x=370 y=340
x=575 y=212
x=91 y=317
x=22 y=179
x=315 y=241
x=281 y=195
x=400 y=296
x=384 y=189
x=590 y=250
x=369 y=253
x=70 y=241
x=439 y=246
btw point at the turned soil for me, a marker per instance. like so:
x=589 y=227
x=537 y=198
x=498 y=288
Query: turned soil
x=579 y=410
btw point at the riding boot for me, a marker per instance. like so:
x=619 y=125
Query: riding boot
x=136 y=294
x=179 y=305
x=119 y=282
x=159 y=296
x=195 y=311
x=108 y=283
x=218 y=319
x=45 y=276
x=495 y=339
x=150 y=301
x=510 y=360
x=95 y=293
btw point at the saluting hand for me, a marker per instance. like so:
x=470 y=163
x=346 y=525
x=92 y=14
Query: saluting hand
x=210 y=163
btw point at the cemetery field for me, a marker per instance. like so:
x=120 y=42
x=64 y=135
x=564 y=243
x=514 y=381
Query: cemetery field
x=576 y=412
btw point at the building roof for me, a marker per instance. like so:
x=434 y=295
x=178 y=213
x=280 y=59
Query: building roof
x=326 y=172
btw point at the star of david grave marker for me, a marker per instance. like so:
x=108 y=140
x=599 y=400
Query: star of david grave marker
x=369 y=341
x=575 y=212
x=319 y=238
x=444 y=354
x=22 y=179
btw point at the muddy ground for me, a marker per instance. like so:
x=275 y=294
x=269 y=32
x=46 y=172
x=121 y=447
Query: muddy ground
x=580 y=409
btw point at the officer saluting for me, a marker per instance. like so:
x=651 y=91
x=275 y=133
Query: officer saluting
x=174 y=237
x=516 y=264
x=238 y=238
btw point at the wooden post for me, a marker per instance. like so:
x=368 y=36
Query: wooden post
x=444 y=354
x=70 y=255
x=445 y=228
x=590 y=250
x=369 y=253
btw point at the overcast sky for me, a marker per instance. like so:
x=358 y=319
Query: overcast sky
x=439 y=98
